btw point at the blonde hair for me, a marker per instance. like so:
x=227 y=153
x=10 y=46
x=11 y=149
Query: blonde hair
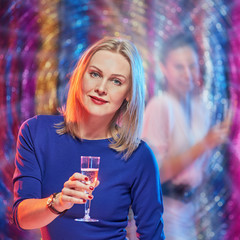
x=128 y=119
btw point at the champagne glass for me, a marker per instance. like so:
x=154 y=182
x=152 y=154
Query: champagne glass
x=89 y=168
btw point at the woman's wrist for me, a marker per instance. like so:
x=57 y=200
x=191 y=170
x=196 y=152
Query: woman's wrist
x=207 y=142
x=53 y=204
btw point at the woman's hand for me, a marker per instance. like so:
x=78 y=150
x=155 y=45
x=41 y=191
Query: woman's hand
x=33 y=213
x=218 y=134
x=77 y=190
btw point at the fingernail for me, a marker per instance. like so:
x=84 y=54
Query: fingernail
x=86 y=178
x=90 y=197
x=91 y=188
x=84 y=200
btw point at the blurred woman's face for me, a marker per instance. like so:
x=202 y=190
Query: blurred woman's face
x=181 y=69
x=105 y=84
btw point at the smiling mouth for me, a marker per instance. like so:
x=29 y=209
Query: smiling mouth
x=98 y=101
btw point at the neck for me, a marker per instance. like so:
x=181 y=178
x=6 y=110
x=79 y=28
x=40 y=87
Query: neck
x=93 y=128
x=185 y=104
x=183 y=99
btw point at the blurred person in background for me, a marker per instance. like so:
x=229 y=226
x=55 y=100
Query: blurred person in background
x=177 y=127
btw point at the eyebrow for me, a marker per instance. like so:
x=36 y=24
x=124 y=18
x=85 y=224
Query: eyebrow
x=117 y=75
x=96 y=68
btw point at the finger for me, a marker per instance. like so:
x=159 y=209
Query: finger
x=73 y=200
x=72 y=193
x=78 y=185
x=230 y=114
x=217 y=126
x=79 y=176
x=97 y=183
x=226 y=123
x=221 y=136
x=228 y=117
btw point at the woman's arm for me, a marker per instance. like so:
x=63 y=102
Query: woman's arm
x=146 y=195
x=174 y=165
x=158 y=129
x=30 y=209
x=34 y=213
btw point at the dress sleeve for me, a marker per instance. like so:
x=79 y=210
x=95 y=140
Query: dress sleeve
x=157 y=127
x=147 y=202
x=27 y=174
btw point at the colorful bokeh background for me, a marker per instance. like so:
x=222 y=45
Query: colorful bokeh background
x=41 y=40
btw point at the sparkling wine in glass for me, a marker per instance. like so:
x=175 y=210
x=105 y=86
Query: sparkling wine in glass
x=89 y=168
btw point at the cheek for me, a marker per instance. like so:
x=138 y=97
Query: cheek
x=117 y=97
x=173 y=78
x=196 y=74
x=86 y=85
x=172 y=73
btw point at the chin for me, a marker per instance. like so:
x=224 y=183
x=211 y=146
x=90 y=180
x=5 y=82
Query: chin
x=100 y=113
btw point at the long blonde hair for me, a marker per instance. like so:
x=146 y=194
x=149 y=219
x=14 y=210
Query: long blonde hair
x=128 y=119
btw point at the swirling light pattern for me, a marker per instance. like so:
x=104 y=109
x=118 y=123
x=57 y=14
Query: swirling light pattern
x=47 y=74
x=28 y=46
x=18 y=51
x=4 y=21
x=233 y=205
x=42 y=40
x=4 y=193
x=73 y=39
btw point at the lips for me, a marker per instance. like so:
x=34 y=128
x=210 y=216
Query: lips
x=98 y=101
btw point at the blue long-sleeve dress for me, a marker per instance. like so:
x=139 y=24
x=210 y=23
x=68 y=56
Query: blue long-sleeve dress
x=45 y=160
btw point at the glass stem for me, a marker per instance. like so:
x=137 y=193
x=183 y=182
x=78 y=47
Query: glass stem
x=87 y=209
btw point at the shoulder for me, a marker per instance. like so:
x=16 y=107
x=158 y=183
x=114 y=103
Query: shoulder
x=159 y=99
x=144 y=160
x=157 y=110
x=40 y=122
x=159 y=103
x=144 y=147
x=145 y=153
x=43 y=119
x=155 y=101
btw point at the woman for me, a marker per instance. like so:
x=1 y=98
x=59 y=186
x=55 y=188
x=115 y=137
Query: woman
x=103 y=117
x=177 y=127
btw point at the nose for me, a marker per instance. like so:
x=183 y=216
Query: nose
x=188 y=76
x=101 y=87
x=187 y=73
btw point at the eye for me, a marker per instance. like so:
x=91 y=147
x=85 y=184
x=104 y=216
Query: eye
x=178 y=67
x=193 y=66
x=94 y=74
x=116 y=81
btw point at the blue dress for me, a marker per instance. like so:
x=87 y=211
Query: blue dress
x=45 y=160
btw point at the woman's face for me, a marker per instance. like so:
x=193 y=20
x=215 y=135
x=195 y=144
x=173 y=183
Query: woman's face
x=106 y=84
x=181 y=70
